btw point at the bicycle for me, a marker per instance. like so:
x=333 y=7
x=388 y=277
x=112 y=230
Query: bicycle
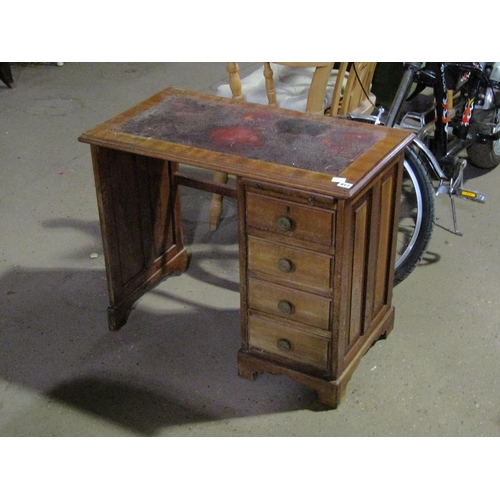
x=452 y=108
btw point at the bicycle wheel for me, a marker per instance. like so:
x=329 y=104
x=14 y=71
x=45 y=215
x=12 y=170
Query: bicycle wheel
x=416 y=216
x=484 y=155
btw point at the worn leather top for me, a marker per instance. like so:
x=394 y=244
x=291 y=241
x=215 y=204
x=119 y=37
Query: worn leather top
x=255 y=132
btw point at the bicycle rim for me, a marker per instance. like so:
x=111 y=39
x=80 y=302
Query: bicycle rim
x=410 y=219
x=416 y=217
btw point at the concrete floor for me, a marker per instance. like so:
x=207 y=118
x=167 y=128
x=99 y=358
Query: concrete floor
x=171 y=371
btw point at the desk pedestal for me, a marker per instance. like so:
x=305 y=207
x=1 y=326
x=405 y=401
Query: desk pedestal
x=316 y=280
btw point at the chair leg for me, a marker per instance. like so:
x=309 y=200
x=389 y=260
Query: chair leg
x=216 y=203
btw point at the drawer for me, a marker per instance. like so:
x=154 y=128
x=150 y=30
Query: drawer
x=289 y=264
x=293 y=219
x=288 y=303
x=292 y=344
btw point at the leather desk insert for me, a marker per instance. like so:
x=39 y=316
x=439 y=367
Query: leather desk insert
x=316 y=256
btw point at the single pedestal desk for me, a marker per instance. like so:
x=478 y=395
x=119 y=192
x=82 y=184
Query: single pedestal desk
x=318 y=205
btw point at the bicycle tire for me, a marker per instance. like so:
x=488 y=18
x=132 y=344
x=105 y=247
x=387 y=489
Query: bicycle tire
x=416 y=219
x=484 y=155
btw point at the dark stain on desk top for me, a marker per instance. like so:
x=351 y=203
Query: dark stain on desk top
x=256 y=132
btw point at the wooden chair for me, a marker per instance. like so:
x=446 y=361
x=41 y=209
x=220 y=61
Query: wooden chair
x=319 y=88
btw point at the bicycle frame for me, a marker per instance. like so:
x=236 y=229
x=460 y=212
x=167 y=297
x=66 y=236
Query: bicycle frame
x=442 y=157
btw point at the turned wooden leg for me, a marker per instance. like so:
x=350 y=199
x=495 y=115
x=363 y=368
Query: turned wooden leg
x=216 y=204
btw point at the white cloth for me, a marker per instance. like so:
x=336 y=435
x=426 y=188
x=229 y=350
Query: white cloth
x=291 y=85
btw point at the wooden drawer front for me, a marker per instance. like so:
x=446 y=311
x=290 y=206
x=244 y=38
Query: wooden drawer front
x=289 y=303
x=293 y=219
x=300 y=267
x=289 y=343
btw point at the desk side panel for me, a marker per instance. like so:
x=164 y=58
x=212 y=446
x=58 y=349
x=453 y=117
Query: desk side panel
x=139 y=210
x=367 y=268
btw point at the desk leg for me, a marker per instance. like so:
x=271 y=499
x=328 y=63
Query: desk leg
x=140 y=216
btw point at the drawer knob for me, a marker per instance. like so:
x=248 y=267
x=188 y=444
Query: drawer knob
x=285 y=307
x=284 y=265
x=284 y=223
x=284 y=345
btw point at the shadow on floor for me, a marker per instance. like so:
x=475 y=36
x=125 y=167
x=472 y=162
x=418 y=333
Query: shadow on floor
x=166 y=367
x=131 y=404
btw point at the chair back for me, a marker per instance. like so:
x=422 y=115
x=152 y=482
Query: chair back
x=313 y=87
x=315 y=76
x=352 y=94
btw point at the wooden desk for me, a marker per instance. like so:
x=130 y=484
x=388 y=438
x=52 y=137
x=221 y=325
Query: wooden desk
x=316 y=255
